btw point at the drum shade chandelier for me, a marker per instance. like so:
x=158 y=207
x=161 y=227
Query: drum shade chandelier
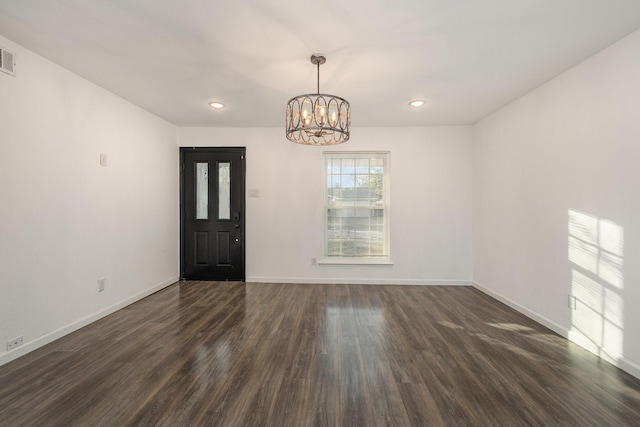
x=318 y=119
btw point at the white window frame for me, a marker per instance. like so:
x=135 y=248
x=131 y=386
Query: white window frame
x=385 y=258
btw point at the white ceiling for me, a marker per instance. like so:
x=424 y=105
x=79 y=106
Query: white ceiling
x=465 y=58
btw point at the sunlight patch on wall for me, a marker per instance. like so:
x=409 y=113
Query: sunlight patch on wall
x=596 y=253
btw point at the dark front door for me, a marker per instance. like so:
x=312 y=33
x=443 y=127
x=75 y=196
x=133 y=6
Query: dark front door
x=212 y=213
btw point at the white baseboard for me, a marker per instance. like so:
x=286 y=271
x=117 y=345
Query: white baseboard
x=626 y=365
x=343 y=281
x=560 y=330
x=629 y=367
x=80 y=323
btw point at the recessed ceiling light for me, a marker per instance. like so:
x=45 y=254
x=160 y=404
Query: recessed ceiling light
x=417 y=103
x=216 y=105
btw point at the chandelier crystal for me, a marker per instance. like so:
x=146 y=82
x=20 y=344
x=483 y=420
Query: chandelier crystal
x=318 y=119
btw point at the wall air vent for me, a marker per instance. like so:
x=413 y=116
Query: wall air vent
x=7 y=62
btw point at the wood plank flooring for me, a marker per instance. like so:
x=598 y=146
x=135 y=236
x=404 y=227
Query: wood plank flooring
x=235 y=354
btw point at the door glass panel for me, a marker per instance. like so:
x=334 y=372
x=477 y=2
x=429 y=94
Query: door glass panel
x=202 y=190
x=224 y=190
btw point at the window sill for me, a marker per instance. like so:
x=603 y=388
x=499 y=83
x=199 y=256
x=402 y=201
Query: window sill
x=354 y=261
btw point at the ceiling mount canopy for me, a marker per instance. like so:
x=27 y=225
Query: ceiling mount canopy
x=318 y=119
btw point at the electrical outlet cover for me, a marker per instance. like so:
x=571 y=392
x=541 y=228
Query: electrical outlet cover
x=16 y=342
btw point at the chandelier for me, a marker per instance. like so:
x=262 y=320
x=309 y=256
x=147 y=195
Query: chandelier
x=318 y=119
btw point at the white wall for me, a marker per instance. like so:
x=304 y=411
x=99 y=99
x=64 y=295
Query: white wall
x=65 y=221
x=430 y=204
x=569 y=149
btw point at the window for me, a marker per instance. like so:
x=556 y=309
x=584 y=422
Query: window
x=356 y=206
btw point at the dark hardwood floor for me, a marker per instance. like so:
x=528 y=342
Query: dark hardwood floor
x=235 y=354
